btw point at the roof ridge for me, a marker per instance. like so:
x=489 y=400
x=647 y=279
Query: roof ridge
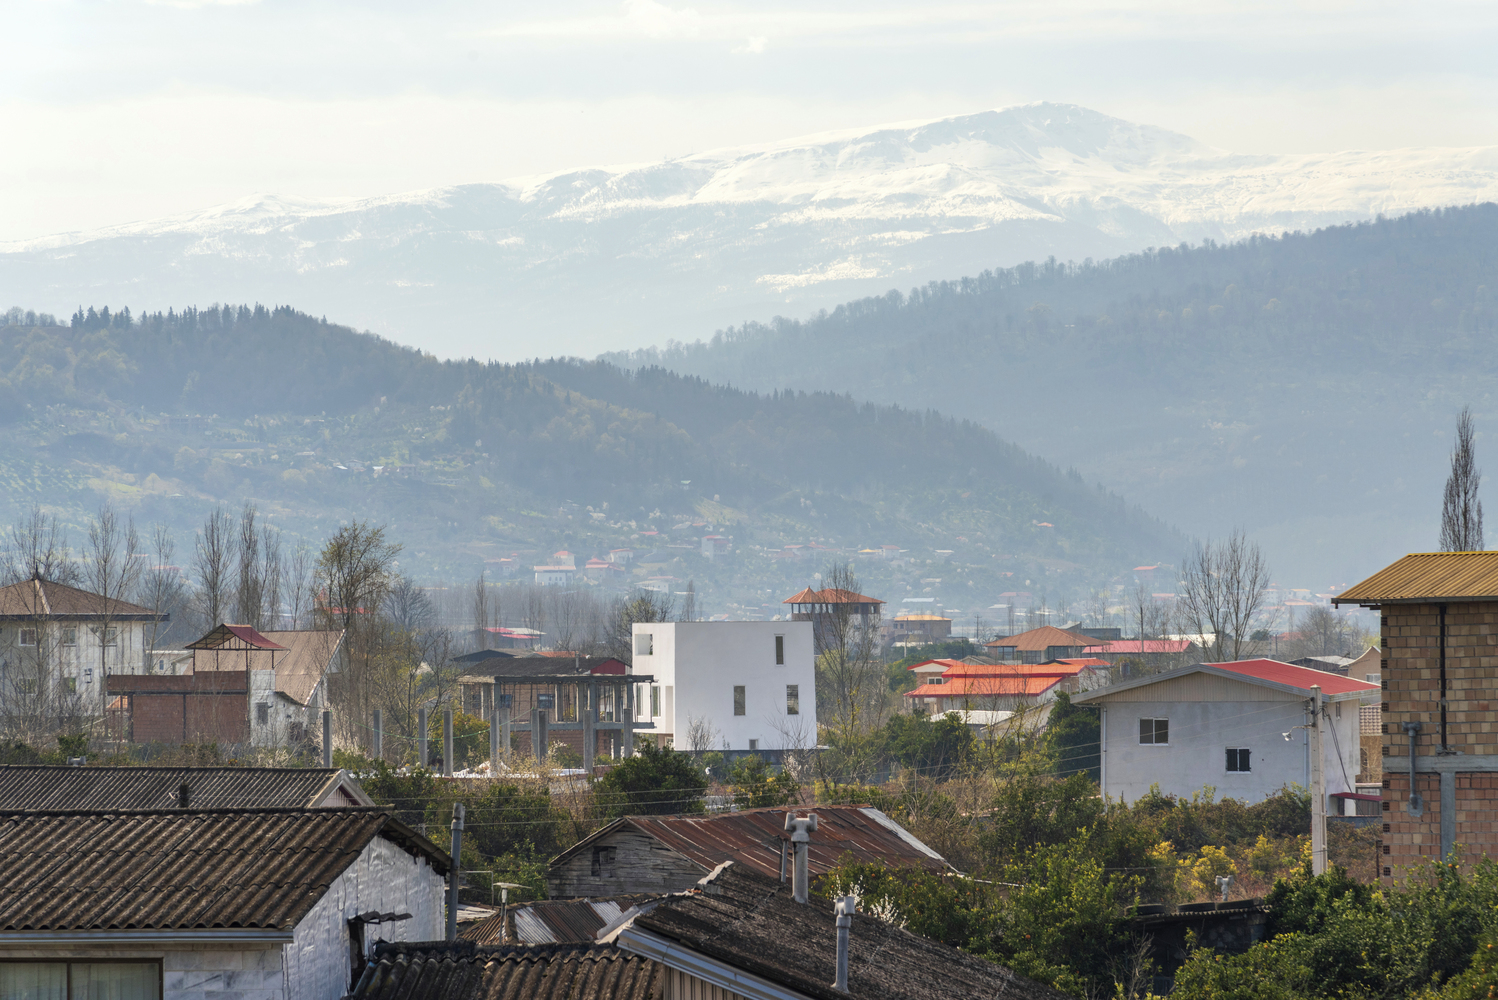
x=329 y=811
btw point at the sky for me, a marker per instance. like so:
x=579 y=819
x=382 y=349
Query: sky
x=113 y=112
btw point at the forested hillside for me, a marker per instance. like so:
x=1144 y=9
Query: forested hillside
x=319 y=423
x=1302 y=386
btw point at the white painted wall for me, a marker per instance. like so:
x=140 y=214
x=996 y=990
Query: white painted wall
x=698 y=664
x=385 y=879
x=1201 y=732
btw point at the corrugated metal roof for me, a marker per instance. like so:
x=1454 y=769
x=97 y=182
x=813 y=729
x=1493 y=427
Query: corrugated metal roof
x=34 y=787
x=753 y=837
x=752 y=923
x=226 y=636
x=986 y=687
x=1429 y=576
x=181 y=870
x=301 y=658
x=1297 y=677
x=439 y=971
x=551 y=921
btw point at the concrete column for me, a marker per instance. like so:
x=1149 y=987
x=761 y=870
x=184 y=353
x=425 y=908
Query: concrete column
x=493 y=742
x=421 y=738
x=504 y=731
x=327 y=738
x=379 y=734
x=627 y=734
x=447 y=742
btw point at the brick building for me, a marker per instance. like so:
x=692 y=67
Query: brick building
x=1439 y=674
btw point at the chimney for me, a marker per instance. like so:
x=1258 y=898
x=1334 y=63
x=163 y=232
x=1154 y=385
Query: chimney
x=801 y=831
x=845 y=908
x=184 y=797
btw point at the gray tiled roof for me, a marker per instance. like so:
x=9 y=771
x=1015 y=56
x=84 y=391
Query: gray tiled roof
x=44 y=786
x=440 y=971
x=182 y=870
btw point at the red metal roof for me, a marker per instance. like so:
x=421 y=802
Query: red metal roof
x=986 y=687
x=223 y=635
x=1296 y=677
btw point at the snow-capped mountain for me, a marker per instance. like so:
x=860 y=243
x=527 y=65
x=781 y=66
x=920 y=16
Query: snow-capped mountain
x=617 y=257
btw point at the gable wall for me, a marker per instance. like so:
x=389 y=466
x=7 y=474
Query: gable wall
x=642 y=864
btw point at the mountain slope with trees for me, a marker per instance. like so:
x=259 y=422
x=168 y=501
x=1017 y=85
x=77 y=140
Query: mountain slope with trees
x=320 y=424
x=1301 y=387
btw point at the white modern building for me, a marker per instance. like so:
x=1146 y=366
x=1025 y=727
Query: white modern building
x=1237 y=727
x=754 y=683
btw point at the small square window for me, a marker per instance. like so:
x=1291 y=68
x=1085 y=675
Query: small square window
x=754 y=745
x=793 y=699
x=644 y=644
x=70 y=635
x=605 y=860
x=780 y=650
x=738 y=699
x=1154 y=731
x=28 y=637
x=1238 y=759
x=111 y=636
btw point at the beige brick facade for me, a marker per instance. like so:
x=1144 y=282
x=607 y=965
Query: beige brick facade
x=1412 y=681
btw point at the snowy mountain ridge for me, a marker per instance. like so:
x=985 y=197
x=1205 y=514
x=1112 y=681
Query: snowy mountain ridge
x=602 y=258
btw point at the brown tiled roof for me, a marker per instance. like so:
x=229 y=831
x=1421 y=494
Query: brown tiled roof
x=440 y=971
x=753 y=837
x=37 y=598
x=182 y=870
x=52 y=786
x=832 y=595
x=1043 y=638
x=1424 y=577
x=751 y=923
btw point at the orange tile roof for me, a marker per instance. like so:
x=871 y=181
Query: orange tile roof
x=987 y=687
x=945 y=664
x=832 y=595
x=1043 y=638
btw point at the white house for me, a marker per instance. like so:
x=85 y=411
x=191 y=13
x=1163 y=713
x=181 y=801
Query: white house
x=209 y=905
x=1238 y=727
x=753 y=682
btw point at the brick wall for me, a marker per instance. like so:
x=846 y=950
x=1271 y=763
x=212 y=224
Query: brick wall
x=1411 y=682
x=192 y=708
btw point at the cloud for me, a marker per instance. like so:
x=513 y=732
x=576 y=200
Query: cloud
x=754 y=44
x=656 y=20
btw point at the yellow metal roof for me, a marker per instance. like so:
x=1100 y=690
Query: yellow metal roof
x=1422 y=577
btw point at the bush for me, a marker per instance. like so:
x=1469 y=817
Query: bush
x=756 y=784
x=656 y=781
x=933 y=747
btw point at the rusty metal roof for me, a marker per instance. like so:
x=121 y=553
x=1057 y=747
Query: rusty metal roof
x=48 y=786
x=1428 y=577
x=752 y=923
x=441 y=971
x=753 y=837
x=180 y=869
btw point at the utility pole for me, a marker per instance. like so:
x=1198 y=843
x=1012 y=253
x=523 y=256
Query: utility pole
x=1318 y=788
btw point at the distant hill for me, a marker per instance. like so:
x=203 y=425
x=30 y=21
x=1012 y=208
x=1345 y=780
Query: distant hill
x=608 y=258
x=171 y=413
x=1303 y=387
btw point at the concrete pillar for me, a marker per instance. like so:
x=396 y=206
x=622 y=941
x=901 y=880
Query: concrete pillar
x=504 y=731
x=447 y=742
x=421 y=738
x=379 y=734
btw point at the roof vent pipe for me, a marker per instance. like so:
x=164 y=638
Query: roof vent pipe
x=184 y=796
x=801 y=831
x=845 y=908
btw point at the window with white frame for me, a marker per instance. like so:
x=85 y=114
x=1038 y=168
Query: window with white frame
x=655 y=701
x=1238 y=759
x=28 y=637
x=1154 y=732
x=70 y=635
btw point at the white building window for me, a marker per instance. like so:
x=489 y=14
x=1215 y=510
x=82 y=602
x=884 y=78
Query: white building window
x=738 y=699
x=644 y=644
x=793 y=699
x=111 y=636
x=1154 y=732
x=655 y=701
x=28 y=637
x=780 y=650
x=1238 y=759
x=70 y=635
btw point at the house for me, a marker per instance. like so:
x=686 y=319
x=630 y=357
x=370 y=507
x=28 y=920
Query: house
x=244 y=686
x=56 y=643
x=621 y=557
x=1155 y=654
x=963 y=686
x=1439 y=623
x=1040 y=645
x=589 y=702
x=743 y=933
x=31 y=787
x=601 y=569
x=554 y=575
x=919 y=630
x=468 y=971
x=832 y=610
x=754 y=683
x=1330 y=664
x=715 y=546
x=1239 y=727
x=175 y=903
x=659 y=854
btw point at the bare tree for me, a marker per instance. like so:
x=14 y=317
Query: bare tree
x=213 y=562
x=37 y=549
x=299 y=585
x=112 y=573
x=161 y=586
x=481 y=623
x=272 y=573
x=408 y=607
x=644 y=606
x=1222 y=594
x=701 y=736
x=354 y=575
x=689 y=603
x=850 y=671
x=1324 y=632
x=1461 y=510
